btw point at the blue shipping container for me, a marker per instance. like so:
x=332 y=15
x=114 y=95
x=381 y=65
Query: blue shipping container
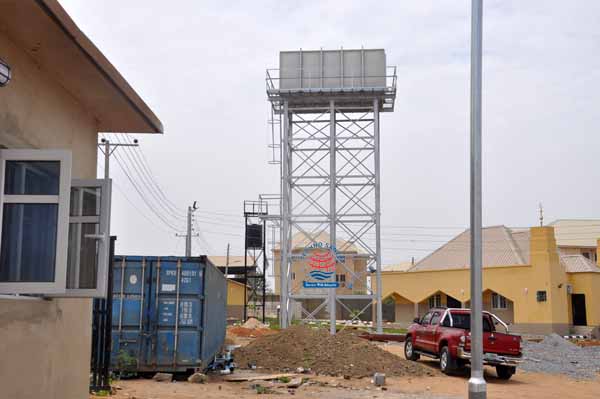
x=168 y=313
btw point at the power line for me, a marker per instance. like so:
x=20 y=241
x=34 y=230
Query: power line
x=145 y=182
x=139 y=153
x=144 y=199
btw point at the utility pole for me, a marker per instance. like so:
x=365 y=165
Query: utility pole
x=227 y=261
x=107 y=149
x=189 y=234
x=477 y=384
x=541 y=215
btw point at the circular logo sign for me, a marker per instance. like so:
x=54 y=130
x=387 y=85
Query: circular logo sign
x=133 y=279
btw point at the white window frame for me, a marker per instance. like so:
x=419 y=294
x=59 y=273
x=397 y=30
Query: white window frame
x=103 y=238
x=62 y=225
x=434 y=299
x=497 y=302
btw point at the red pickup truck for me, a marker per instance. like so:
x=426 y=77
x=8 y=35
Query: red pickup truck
x=444 y=334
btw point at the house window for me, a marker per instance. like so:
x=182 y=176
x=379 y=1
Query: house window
x=340 y=278
x=42 y=251
x=87 y=259
x=435 y=301
x=293 y=275
x=498 y=301
x=34 y=212
x=541 y=296
x=591 y=255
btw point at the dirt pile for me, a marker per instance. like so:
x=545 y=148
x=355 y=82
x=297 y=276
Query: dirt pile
x=253 y=323
x=239 y=331
x=344 y=354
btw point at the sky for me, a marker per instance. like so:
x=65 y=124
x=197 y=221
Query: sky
x=200 y=66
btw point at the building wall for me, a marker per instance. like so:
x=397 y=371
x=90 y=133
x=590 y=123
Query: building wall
x=355 y=264
x=589 y=285
x=45 y=344
x=519 y=284
x=235 y=300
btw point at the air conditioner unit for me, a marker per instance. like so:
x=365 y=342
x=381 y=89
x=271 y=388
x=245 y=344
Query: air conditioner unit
x=569 y=289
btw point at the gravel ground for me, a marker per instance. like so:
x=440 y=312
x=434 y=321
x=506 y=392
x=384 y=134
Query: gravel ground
x=558 y=356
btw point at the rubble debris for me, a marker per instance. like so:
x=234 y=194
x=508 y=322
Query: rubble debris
x=163 y=377
x=379 y=379
x=198 y=378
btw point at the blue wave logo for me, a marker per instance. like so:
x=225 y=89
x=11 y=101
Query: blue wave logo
x=320 y=275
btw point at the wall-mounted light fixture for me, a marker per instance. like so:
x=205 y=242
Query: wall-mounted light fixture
x=5 y=73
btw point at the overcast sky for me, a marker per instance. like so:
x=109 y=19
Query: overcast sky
x=200 y=66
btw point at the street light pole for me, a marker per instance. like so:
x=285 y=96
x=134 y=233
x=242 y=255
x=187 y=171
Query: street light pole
x=477 y=384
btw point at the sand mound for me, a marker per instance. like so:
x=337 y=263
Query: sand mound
x=240 y=331
x=344 y=354
x=253 y=323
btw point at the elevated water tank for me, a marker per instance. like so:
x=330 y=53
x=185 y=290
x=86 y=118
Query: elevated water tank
x=332 y=69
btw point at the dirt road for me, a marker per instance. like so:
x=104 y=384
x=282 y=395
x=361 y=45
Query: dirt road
x=522 y=386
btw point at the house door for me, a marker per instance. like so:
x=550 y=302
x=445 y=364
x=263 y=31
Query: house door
x=578 y=304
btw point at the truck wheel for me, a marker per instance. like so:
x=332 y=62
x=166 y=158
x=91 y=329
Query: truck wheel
x=447 y=362
x=505 y=372
x=409 y=350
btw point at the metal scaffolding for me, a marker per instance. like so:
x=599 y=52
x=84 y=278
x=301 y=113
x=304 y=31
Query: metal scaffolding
x=255 y=213
x=330 y=187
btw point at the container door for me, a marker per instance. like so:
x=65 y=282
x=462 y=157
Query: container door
x=130 y=293
x=178 y=313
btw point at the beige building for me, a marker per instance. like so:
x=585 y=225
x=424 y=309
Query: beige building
x=540 y=280
x=62 y=93
x=351 y=275
x=233 y=267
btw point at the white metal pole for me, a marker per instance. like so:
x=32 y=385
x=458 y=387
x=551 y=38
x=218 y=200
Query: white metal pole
x=332 y=211
x=477 y=384
x=283 y=243
x=378 y=306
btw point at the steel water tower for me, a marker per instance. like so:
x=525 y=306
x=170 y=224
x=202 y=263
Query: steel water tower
x=327 y=104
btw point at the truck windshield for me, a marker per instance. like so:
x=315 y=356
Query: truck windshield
x=463 y=321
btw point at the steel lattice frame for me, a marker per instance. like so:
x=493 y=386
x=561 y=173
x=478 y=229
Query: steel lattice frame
x=330 y=184
x=255 y=212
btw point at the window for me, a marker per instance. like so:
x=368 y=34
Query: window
x=427 y=318
x=498 y=301
x=435 y=301
x=541 y=296
x=293 y=275
x=586 y=255
x=340 y=278
x=435 y=319
x=88 y=253
x=446 y=321
x=487 y=325
x=53 y=232
x=34 y=220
